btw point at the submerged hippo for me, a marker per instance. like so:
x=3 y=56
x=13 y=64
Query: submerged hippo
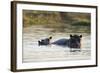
x=73 y=42
x=45 y=41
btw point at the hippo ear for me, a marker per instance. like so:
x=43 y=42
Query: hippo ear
x=80 y=36
x=50 y=37
x=70 y=35
x=38 y=41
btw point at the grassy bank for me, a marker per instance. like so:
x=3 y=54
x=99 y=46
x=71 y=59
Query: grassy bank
x=59 y=21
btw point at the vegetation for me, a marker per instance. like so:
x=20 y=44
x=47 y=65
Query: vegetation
x=59 y=21
x=82 y=23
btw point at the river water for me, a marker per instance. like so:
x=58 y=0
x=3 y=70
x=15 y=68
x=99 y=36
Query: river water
x=34 y=53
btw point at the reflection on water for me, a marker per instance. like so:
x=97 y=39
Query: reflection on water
x=34 y=53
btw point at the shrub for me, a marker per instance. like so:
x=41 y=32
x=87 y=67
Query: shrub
x=81 y=23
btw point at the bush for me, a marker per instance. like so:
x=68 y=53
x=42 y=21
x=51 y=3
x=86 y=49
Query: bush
x=81 y=23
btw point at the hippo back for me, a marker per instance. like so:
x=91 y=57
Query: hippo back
x=62 y=42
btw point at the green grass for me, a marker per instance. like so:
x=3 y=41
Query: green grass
x=58 y=21
x=81 y=23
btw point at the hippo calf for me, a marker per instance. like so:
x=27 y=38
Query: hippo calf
x=45 y=41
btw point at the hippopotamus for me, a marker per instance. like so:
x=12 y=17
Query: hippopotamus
x=73 y=42
x=45 y=41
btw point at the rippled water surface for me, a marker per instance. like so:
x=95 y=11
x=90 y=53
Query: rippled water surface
x=34 y=53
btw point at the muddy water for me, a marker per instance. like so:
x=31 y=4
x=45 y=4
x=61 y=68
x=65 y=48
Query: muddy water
x=34 y=53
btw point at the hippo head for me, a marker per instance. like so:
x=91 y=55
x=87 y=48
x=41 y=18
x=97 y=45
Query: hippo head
x=75 y=41
x=45 y=41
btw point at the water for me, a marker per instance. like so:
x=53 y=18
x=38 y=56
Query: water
x=34 y=53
